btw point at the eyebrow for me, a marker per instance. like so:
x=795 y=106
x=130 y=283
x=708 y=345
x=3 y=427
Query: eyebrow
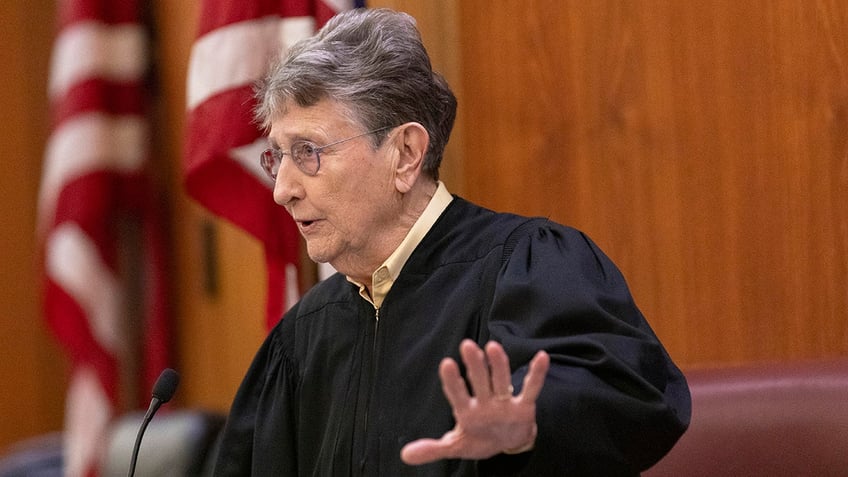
x=297 y=137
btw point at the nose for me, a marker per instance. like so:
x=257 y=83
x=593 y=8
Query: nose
x=287 y=186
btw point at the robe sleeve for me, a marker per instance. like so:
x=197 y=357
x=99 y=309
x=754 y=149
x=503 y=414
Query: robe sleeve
x=613 y=402
x=260 y=422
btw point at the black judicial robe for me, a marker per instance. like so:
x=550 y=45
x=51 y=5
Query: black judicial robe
x=338 y=387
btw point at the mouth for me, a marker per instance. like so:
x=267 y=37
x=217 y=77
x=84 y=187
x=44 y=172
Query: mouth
x=306 y=225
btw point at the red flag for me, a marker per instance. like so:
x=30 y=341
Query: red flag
x=235 y=43
x=102 y=237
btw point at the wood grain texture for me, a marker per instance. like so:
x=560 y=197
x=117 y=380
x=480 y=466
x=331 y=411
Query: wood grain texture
x=702 y=145
x=31 y=364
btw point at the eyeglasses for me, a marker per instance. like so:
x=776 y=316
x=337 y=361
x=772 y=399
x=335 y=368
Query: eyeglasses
x=306 y=155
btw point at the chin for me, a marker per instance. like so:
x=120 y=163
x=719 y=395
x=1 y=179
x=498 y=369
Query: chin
x=317 y=254
x=316 y=257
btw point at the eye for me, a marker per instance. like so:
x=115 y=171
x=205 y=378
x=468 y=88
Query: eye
x=305 y=156
x=303 y=150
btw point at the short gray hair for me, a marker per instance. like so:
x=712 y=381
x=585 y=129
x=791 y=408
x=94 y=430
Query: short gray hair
x=373 y=62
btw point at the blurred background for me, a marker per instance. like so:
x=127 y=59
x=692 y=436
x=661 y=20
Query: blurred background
x=702 y=145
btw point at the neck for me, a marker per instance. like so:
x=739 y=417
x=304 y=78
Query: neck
x=410 y=207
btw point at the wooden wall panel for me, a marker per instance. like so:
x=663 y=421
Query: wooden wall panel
x=703 y=145
x=31 y=366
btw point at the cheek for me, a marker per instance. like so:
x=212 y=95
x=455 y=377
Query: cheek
x=352 y=192
x=355 y=199
x=340 y=206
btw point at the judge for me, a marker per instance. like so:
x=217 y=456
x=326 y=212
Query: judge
x=453 y=340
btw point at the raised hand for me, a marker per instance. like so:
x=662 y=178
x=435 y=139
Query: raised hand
x=490 y=421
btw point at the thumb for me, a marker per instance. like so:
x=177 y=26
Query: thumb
x=423 y=451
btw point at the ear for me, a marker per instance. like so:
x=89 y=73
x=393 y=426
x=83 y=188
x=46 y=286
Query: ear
x=412 y=141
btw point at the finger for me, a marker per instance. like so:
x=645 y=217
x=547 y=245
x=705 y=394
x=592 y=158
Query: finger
x=499 y=366
x=535 y=378
x=453 y=385
x=476 y=368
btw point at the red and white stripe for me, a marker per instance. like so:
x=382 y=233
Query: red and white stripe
x=94 y=194
x=234 y=45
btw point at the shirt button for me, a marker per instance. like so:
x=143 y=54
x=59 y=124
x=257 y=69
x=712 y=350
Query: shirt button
x=382 y=274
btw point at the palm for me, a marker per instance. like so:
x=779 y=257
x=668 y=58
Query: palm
x=492 y=420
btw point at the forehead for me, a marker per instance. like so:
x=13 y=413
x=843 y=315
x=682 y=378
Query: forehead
x=323 y=118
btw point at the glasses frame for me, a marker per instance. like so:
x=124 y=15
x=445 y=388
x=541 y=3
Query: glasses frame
x=272 y=158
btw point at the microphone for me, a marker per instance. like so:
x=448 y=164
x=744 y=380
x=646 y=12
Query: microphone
x=163 y=391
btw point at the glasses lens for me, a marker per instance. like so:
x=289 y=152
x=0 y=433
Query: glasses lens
x=270 y=161
x=305 y=155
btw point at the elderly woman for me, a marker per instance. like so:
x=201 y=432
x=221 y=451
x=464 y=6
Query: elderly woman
x=453 y=340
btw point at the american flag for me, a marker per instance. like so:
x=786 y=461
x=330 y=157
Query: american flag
x=235 y=43
x=103 y=245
